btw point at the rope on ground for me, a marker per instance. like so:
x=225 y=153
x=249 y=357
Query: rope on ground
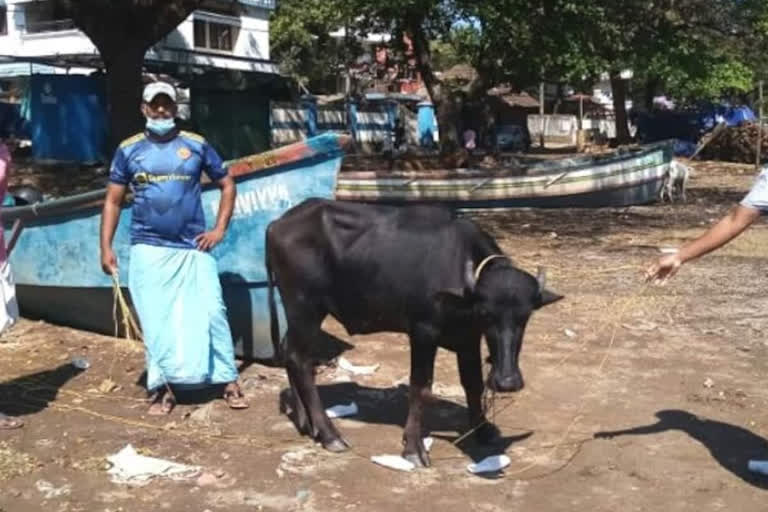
x=132 y=332
x=600 y=367
x=28 y=399
x=562 y=439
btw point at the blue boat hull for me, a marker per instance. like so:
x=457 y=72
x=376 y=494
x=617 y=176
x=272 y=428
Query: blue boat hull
x=56 y=261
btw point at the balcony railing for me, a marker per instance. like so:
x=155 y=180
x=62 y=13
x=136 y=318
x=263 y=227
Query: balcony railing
x=265 y=4
x=38 y=27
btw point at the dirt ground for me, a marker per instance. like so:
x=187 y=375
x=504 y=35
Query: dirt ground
x=679 y=369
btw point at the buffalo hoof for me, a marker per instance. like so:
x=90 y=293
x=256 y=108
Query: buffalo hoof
x=418 y=461
x=488 y=433
x=336 y=445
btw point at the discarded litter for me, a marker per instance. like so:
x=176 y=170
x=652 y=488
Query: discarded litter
x=398 y=462
x=81 y=363
x=340 y=411
x=128 y=467
x=668 y=250
x=49 y=491
x=355 y=369
x=709 y=383
x=393 y=462
x=569 y=333
x=758 y=466
x=490 y=464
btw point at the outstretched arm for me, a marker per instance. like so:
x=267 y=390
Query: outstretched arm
x=728 y=228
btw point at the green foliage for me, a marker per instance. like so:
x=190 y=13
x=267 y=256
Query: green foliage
x=301 y=43
x=693 y=48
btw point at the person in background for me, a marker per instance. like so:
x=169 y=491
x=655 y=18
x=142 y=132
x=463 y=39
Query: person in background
x=9 y=309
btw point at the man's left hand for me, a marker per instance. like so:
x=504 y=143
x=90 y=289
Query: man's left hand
x=208 y=240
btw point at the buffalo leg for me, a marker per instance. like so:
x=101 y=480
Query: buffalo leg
x=300 y=411
x=422 y=368
x=301 y=369
x=471 y=375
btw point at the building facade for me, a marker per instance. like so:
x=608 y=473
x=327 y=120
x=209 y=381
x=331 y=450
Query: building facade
x=219 y=35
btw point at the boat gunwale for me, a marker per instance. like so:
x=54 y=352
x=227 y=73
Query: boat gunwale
x=488 y=182
x=544 y=169
x=501 y=202
x=69 y=205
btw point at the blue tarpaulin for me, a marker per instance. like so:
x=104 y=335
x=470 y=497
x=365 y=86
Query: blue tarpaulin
x=737 y=115
x=67 y=118
x=11 y=121
x=688 y=126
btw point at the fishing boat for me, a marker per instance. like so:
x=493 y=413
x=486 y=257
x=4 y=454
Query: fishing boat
x=629 y=176
x=56 y=259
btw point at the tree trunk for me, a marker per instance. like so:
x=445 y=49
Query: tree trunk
x=558 y=99
x=650 y=92
x=484 y=115
x=446 y=109
x=124 y=83
x=619 y=90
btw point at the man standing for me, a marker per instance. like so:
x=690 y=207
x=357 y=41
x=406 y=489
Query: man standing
x=173 y=279
x=9 y=309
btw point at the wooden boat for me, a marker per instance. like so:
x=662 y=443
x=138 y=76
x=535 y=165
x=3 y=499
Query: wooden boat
x=56 y=260
x=626 y=177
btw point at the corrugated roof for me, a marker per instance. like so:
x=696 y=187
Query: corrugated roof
x=512 y=98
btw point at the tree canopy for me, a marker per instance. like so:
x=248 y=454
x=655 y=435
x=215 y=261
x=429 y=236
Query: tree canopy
x=123 y=31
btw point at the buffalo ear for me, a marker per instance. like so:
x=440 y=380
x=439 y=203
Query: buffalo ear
x=453 y=305
x=547 y=297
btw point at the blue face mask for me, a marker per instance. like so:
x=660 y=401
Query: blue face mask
x=160 y=126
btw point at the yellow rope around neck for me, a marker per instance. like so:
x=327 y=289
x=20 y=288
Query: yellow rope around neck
x=486 y=261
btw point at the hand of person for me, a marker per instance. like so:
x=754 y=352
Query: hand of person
x=666 y=267
x=208 y=240
x=108 y=261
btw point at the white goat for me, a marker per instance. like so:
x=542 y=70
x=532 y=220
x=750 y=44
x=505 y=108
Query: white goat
x=675 y=181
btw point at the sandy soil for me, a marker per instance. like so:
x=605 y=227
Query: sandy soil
x=679 y=369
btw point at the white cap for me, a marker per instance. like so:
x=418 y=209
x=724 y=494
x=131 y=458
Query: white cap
x=154 y=88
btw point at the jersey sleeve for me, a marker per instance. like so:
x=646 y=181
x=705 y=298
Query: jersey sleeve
x=757 y=197
x=213 y=164
x=119 y=172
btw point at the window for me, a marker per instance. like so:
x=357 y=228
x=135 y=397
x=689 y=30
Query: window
x=224 y=7
x=215 y=36
x=46 y=17
x=3 y=20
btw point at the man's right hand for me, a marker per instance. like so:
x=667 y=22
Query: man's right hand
x=108 y=261
x=666 y=267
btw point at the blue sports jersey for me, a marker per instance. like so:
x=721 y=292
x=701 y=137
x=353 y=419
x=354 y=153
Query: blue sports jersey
x=164 y=175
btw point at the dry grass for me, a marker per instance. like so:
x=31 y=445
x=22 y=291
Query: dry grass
x=14 y=463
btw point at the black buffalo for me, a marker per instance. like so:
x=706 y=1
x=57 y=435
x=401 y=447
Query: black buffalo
x=416 y=270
